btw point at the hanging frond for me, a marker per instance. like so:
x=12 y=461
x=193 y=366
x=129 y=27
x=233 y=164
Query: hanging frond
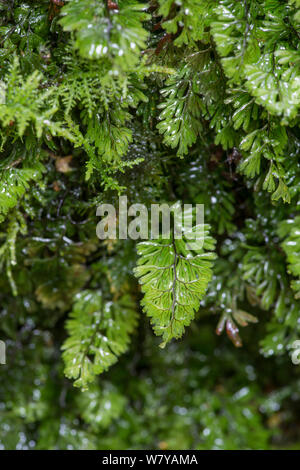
x=174 y=278
x=290 y=231
x=99 y=333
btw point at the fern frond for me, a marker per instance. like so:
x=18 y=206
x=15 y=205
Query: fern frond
x=13 y=184
x=180 y=119
x=188 y=20
x=236 y=42
x=16 y=226
x=117 y=36
x=98 y=333
x=174 y=279
x=274 y=85
x=100 y=406
x=290 y=231
x=25 y=103
x=267 y=142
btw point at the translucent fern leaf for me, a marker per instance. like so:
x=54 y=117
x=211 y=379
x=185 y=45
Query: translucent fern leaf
x=290 y=230
x=275 y=86
x=114 y=34
x=188 y=19
x=24 y=103
x=98 y=333
x=180 y=121
x=268 y=142
x=174 y=279
x=100 y=406
x=13 y=184
x=236 y=42
x=16 y=225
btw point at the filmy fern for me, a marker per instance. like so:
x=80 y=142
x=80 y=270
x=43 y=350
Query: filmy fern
x=188 y=19
x=99 y=98
x=100 y=406
x=174 y=278
x=116 y=34
x=98 y=333
x=180 y=121
x=24 y=103
x=290 y=231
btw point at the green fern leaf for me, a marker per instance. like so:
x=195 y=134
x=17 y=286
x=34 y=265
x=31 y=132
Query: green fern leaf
x=13 y=184
x=99 y=407
x=188 y=19
x=116 y=35
x=180 y=120
x=290 y=231
x=174 y=279
x=98 y=333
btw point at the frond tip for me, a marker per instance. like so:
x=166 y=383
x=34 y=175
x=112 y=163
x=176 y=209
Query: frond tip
x=174 y=279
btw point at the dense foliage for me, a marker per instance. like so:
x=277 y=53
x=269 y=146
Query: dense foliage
x=196 y=101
